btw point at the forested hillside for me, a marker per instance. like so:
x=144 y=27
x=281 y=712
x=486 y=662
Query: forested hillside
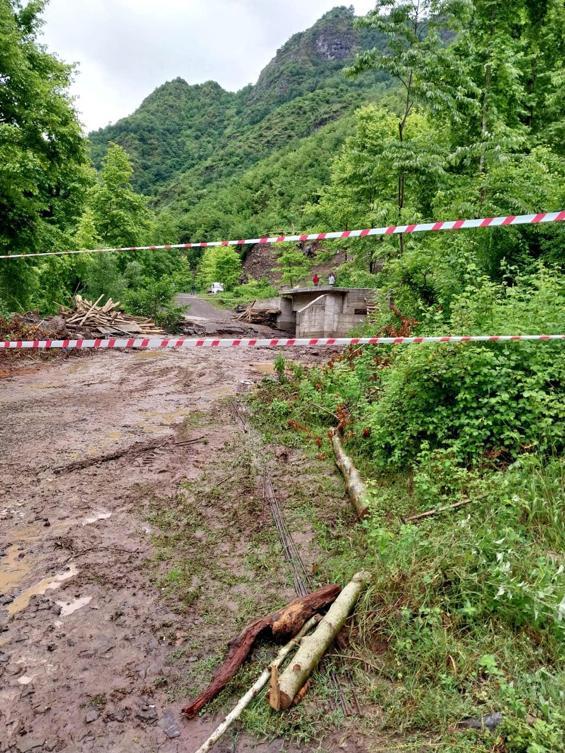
x=199 y=134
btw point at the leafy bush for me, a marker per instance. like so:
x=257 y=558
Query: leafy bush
x=242 y=294
x=483 y=400
x=153 y=298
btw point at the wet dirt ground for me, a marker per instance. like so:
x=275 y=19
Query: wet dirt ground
x=87 y=444
x=86 y=635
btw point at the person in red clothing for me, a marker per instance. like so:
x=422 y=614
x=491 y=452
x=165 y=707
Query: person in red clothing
x=316 y=279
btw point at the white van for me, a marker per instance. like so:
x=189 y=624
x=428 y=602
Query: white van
x=216 y=287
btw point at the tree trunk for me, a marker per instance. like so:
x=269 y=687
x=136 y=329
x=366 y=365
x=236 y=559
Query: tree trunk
x=285 y=623
x=354 y=485
x=314 y=646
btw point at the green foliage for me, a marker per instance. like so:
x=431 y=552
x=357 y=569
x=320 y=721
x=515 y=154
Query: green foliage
x=43 y=173
x=293 y=264
x=247 y=293
x=153 y=298
x=120 y=215
x=363 y=189
x=219 y=264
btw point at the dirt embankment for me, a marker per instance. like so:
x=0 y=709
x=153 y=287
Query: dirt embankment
x=97 y=648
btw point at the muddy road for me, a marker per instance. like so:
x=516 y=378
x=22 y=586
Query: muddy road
x=94 y=450
x=84 y=633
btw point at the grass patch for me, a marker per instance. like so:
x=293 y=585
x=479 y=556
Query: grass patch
x=465 y=613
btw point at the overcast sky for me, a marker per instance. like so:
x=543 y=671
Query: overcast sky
x=125 y=48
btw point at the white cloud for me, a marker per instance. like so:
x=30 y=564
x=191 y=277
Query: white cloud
x=125 y=48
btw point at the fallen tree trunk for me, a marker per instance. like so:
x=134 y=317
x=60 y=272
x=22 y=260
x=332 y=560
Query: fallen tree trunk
x=284 y=623
x=356 y=489
x=255 y=689
x=286 y=687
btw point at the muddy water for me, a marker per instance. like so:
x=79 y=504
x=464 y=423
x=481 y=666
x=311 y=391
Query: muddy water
x=85 y=638
x=13 y=568
x=41 y=587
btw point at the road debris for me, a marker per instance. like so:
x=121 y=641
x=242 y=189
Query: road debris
x=286 y=687
x=90 y=319
x=284 y=623
x=259 y=312
x=256 y=688
x=354 y=484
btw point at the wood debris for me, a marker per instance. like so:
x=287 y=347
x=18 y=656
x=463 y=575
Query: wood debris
x=285 y=623
x=286 y=687
x=88 y=318
x=354 y=484
x=256 y=688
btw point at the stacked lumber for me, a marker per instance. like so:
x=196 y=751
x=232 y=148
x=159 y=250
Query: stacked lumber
x=91 y=319
x=255 y=313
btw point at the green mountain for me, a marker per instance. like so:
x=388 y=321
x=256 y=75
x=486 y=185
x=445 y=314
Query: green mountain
x=186 y=141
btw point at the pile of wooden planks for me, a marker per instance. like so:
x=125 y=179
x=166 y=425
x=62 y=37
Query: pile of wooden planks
x=88 y=318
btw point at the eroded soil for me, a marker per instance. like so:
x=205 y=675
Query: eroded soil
x=97 y=646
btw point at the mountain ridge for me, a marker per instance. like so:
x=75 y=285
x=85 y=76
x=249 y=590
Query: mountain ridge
x=185 y=136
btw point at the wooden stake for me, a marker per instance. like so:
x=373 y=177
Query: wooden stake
x=315 y=646
x=356 y=489
x=256 y=688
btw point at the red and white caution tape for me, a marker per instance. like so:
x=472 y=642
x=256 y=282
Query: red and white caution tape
x=171 y=343
x=421 y=227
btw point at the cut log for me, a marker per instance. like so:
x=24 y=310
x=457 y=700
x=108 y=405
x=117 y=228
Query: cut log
x=354 y=485
x=285 y=623
x=255 y=689
x=314 y=646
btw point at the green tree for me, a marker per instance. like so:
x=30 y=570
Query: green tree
x=86 y=235
x=363 y=189
x=418 y=59
x=219 y=264
x=121 y=215
x=43 y=163
x=293 y=264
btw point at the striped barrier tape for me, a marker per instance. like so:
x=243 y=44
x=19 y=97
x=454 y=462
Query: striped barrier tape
x=421 y=227
x=170 y=343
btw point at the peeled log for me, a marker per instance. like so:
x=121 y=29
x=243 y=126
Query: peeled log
x=314 y=646
x=356 y=489
x=285 y=623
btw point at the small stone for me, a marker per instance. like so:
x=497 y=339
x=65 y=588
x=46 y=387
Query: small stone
x=30 y=743
x=117 y=716
x=5 y=600
x=91 y=716
x=169 y=725
x=490 y=722
x=147 y=713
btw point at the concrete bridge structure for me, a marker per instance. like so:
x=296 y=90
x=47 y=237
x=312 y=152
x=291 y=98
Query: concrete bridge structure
x=323 y=311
